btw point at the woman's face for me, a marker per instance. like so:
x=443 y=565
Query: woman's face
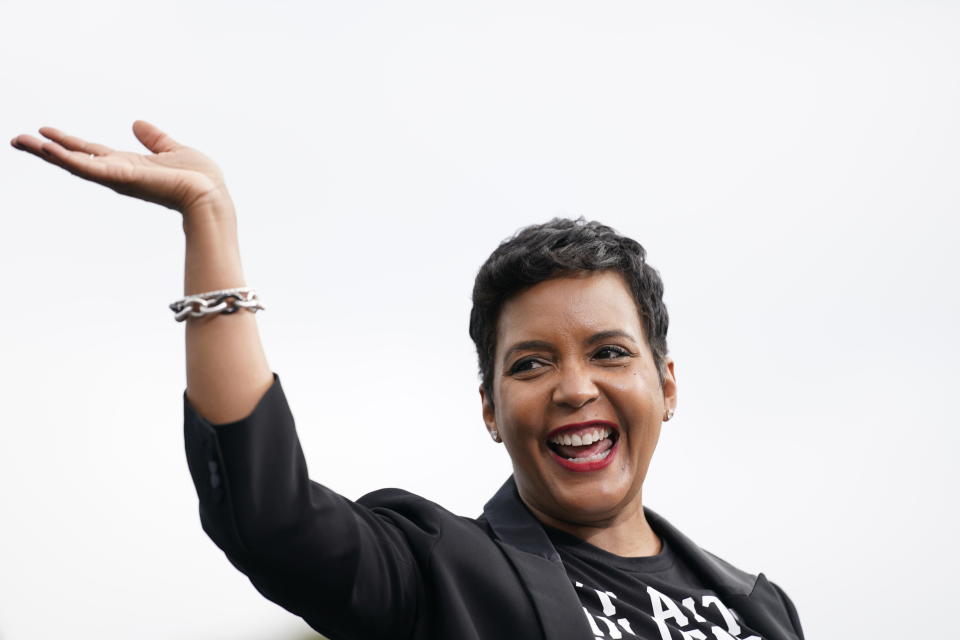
x=574 y=378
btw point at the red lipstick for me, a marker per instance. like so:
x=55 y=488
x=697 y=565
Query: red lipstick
x=596 y=457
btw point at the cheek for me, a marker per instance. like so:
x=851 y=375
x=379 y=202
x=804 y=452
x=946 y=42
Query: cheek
x=641 y=401
x=638 y=393
x=519 y=411
x=645 y=443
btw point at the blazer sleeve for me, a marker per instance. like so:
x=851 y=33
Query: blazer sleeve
x=345 y=568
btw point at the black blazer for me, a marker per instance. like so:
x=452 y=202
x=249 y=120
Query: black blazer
x=395 y=565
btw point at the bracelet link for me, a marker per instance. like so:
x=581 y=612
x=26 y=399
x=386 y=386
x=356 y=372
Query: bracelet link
x=221 y=301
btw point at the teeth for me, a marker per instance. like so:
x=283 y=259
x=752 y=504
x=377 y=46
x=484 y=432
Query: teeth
x=593 y=458
x=581 y=439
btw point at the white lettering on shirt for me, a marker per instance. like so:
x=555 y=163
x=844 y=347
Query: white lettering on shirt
x=732 y=627
x=664 y=609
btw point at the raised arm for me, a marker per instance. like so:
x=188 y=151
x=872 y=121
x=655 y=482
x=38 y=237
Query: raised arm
x=227 y=370
x=351 y=569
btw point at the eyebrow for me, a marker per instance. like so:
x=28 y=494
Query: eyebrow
x=535 y=345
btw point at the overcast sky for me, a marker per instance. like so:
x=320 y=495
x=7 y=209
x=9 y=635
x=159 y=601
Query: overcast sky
x=791 y=168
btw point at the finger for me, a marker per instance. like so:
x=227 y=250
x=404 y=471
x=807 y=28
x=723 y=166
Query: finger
x=74 y=143
x=78 y=163
x=153 y=138
x=28 y=143
x=72 y=161
x=32 y=145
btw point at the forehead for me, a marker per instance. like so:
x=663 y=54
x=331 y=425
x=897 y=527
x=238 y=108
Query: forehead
x=569 y=307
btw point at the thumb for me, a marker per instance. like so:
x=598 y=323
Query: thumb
x=153 y=138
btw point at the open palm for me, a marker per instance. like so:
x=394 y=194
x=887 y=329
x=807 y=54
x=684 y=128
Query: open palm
x=174 y=175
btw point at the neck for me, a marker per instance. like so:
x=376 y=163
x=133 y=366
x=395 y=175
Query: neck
x=626 y=534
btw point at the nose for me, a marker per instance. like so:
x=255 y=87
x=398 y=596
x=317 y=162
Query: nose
x=575 y=387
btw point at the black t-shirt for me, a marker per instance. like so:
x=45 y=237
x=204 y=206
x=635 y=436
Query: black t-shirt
x=653 y=598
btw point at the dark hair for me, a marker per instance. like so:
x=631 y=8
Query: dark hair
x=560 y=247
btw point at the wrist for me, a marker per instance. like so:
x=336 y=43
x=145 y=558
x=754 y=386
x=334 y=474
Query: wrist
x=215 y=211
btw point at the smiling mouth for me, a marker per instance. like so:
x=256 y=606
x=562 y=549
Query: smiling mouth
x=584 y=445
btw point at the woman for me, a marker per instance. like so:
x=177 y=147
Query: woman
x=570 y=330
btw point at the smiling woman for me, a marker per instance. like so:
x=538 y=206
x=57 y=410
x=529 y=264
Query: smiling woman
x=570 y=329
x=576 y=365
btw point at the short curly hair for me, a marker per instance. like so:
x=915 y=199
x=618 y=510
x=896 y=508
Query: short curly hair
x=555 y=248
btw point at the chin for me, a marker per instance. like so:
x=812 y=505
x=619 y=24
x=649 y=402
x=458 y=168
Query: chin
x=590 y=501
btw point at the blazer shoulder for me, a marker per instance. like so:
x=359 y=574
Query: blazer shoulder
x=736 y=573
x=427 y=514
x=713 y=569
x=402 y=501
x=791 y=609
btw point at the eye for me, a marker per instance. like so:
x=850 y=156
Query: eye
x=525 y=364
x=611 y=352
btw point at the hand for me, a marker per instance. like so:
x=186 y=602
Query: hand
x=174 y=175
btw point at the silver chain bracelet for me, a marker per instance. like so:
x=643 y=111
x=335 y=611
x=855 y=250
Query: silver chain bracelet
x=222 y=301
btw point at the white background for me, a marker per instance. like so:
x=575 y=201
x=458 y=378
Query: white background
x=792 y=169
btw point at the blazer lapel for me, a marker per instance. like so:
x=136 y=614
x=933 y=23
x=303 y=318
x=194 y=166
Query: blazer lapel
x=533 y=556
x=558 y=607
x=754 y=598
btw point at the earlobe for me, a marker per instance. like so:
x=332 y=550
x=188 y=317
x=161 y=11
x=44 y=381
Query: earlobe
x=669 y=390
x=489 y=417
